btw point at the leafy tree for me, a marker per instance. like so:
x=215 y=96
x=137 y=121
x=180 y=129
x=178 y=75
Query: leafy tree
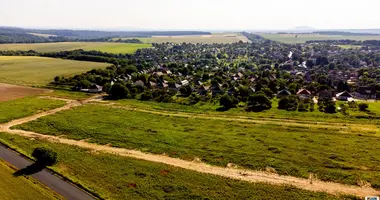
x=288 y=103
x=119 y=91
x=146 y=96
x=186 y=90
x=228 y=102
x=45 y=156
x=259 y=102
x=363 y=107
x=268 y=92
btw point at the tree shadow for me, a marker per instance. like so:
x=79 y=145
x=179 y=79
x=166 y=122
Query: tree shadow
x=30 y=170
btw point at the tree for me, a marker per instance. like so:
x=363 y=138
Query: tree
x=268 y=92
x=228 y=102
x=119 y=91
x=45 y=156
x=259 y=102
x=186 y=90
x=288 y=103
x=363 y=107
x=146 y=96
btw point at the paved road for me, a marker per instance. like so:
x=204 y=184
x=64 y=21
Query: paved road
x=65 y=189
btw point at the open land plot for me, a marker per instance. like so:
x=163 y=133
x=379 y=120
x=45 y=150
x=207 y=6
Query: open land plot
x=22 y=70
x=205 y=39
x=333 y=154
x=11 y=92
x=21 y=188
x=127 y=178
x=316 y=117
x=302 y=38
x=10 y=110
x=108 y=47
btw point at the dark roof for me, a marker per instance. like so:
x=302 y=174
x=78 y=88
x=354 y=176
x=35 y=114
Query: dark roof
x=284 y=93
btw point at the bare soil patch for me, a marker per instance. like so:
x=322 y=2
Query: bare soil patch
x=11 y=92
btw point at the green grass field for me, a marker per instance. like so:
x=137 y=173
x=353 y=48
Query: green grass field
x=340 y=153
x=354 y=115
x=68 y=46
x=40 y=71
x=22 y=188
x=302 y=38
x=206 y=39
x=114 y=177
x=10 y=110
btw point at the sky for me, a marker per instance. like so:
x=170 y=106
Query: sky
x=191 y=14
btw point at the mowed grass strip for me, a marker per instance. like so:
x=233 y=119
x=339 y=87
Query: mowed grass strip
x=23 y=70
x=343 y=156
x=108 y=47
x=115 y=177
x=15 y=109
x=22 y=188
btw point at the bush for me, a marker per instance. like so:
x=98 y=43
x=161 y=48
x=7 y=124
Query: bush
x=228 y=102
x=303 y=107
x=288 y=103
x=363 y=107
x=119 y=91
x=146 y=96
x=45 y=156
x=259 y=102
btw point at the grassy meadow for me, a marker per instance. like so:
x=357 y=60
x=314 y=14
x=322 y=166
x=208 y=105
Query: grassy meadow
x=115 y=177
x=205 y=39
x=354 y=115
x=340 y=153
x=108 y=47
x=15 y=109
x=302 y=38
x=22 y=188
x=22 y=70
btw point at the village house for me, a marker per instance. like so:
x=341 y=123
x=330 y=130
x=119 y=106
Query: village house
x=343 y=96
x=283 y=93
x=304 y=94
x=95 y=89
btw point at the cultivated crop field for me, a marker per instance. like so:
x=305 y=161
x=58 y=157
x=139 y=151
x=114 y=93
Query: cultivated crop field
x=22 y=70
x=126 y=178
x=21 y=188
x=334 y=152
x=68 y=46
x=205 y=39
x=302 y=38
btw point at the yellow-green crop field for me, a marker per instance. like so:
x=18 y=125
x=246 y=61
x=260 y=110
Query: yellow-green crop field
x=108 y=47
x=21 y=70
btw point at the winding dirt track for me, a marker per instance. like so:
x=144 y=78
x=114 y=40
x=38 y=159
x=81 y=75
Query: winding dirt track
x=234 y=173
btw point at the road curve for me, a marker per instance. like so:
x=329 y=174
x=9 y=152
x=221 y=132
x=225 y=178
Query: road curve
x=65 y=189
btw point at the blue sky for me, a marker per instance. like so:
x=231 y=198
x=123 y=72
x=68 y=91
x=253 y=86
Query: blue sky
x=191 y=14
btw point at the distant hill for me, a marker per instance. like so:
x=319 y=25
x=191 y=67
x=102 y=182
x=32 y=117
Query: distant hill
x=20 y=35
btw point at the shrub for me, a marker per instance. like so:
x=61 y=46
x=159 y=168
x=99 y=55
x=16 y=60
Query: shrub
x=288 y=103
x=303 y=107
x=45 y=156
x=259 y=102
x=119 y=91
x=228 y=101
x=363 y=107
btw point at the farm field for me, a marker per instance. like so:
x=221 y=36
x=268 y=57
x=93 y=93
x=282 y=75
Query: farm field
x=10 y=110
x=206 y=39
x=21 y=188
x=11 y=92
x=127 y=178
x=341 y=153
x=302 y=38
x=68 y=46
x=38 y=71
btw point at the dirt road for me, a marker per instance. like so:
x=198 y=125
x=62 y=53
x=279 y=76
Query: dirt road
x=234 y=173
